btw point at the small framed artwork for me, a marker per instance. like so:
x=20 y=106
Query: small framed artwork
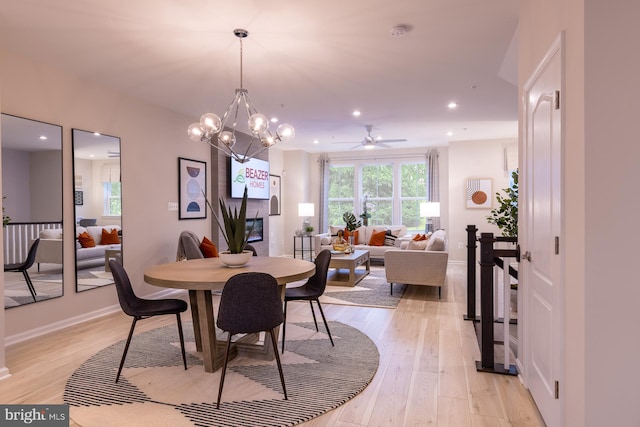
x=192 y=189
x=274 y=195
x=78 y=198
x=479 y=193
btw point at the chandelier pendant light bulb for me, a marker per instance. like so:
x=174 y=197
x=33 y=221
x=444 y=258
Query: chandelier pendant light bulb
x=221 y=133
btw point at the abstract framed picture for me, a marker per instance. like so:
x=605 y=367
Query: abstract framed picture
x=274 y=195
x=192 y=189
x=478 y=193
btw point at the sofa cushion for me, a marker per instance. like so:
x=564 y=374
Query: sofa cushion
x=208 y=248
x=109 y=238
x=437 y=241
x=86 y=240
x=377 y=238
x=51 y=233
x=418 y=244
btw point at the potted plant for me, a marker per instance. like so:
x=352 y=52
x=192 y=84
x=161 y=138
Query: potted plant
x=351 y=224
x=506 y=215
x=235 y=232
x=365 y=215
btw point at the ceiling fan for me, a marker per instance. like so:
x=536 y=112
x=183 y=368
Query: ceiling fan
x=113 y=154
x=370 y=142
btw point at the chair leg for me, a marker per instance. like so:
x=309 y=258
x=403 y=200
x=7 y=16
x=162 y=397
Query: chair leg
x=284 y=327
x=184 y=355
x=224 y=369
x=439 y=292
x=275 y=346
x=314 y=315
x=325 y=322
x=390 y=288
x=126 y=347
x=29 y=284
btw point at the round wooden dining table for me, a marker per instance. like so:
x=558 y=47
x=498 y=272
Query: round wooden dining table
x=201 y=276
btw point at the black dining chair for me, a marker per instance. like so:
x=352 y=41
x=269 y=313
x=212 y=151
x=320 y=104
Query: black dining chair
x=252 y=249
x=140 y=308
x=250 y=303
x=22 y=267
x=311 y=291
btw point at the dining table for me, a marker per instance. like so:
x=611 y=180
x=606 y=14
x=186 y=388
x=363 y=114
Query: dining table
x=202 y=276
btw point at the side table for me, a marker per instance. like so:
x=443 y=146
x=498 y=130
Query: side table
x=305 y=248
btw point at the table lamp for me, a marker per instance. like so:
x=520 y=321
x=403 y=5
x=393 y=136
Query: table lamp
x=429 y=210
x=306 y=210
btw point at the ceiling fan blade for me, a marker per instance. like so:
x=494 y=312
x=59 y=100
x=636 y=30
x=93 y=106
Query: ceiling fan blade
x=380 y=144
x=391 y=140
x=355 y=146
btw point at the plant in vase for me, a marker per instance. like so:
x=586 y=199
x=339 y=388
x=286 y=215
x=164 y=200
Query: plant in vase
x=235 y=230
x=506 y=215
x=365 y=215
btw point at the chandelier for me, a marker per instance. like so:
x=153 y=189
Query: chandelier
x=221 y=133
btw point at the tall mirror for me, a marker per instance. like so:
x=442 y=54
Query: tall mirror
x=98 y=208
x=31 y=210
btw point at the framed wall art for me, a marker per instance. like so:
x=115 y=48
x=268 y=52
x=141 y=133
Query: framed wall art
x=274 y=195
x=192 y=189
x=78 y=198
x=479 y=193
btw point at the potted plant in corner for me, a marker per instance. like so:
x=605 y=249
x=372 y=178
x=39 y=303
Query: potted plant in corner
x=235 y=232
x=505 y=216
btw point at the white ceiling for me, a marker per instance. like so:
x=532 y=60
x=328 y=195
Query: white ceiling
x=309 y=63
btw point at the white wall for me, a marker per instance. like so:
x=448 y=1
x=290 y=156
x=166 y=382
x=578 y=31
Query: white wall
x=276 y=222
x=152 y=139
x=473 y=159
x=16 y=177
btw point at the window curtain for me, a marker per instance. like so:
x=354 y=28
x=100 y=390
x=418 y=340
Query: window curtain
x=324 y=193
x=433 y=182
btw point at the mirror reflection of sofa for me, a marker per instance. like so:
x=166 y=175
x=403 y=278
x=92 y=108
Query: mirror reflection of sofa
x=50 y=248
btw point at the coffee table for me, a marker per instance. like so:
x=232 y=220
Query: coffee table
x=345 y=268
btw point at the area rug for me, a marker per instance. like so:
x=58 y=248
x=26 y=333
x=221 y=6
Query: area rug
x=155 y=390
x=372 y=291
x=86 y=279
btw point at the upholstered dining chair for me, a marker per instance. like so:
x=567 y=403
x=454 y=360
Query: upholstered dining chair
x=252 y=249
x=22 y=267
x=188 y=246
x=310 y=291
x=250 y=303
x=140 y=308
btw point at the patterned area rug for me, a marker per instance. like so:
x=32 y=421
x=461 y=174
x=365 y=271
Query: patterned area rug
x=86 y=279
x=155 y=390
x=372 y=291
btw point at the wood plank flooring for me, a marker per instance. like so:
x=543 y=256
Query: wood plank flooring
x=426 y=375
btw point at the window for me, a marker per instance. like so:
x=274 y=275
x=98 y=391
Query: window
x=111 y=196
x=393 y=189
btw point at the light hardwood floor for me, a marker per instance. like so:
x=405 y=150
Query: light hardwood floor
x=426 y=376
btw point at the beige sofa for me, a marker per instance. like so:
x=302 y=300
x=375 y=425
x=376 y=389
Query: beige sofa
x=425 y=267
x=324 y=240
x=50 y=247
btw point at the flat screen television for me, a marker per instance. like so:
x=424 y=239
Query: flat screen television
x=254 y=174
x=257 y=232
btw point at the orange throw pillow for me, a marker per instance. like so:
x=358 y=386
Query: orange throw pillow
x=86 y=241
x=417 y=237
x=377 y=238
x=355 y=233
x=208 y=249
x=423 y=237
x=109 y=238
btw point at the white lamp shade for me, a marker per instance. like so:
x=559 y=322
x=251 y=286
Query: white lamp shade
x=430 y=210
x=306 y=209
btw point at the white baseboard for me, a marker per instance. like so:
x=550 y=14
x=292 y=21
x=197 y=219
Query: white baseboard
x=4 y=373
x=33 y=333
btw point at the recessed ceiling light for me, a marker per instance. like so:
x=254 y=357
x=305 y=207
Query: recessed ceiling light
x=43 y=137
x=356 y=113
x=452 y=105
x=379 y=137
x=449 y=133
x=96 y=133
x=274 y=120
x=369 y=146
x=315 y=141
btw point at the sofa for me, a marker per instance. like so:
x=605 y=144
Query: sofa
x=50 y=248
x=422 y=263
x=398 y=235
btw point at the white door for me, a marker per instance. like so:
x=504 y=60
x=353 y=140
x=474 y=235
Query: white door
x=541 y=230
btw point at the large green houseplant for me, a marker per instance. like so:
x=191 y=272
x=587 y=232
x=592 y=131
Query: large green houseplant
x=234 y=224
x=505 y=216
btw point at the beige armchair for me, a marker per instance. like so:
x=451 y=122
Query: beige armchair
x=416 y=267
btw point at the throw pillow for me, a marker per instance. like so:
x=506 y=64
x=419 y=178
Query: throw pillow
x=333 y=229
x=86 y=241
x=109 y=238
x=417 y=237
x=436 y=242
x=389 y=238
x=377 y=238
x=419 y=245
x=356 y=236
x=208 y=248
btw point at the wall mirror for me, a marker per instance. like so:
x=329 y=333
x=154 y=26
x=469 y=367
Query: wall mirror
x=32 y=210
x=98 y=208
